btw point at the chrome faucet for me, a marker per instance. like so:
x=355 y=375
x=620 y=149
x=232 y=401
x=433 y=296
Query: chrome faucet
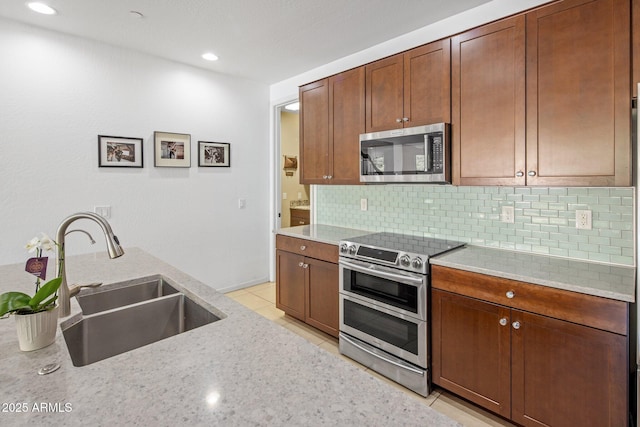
x=113 y=248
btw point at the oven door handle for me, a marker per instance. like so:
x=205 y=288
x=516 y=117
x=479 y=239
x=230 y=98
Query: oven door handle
x=383 y=274
x=379 y=356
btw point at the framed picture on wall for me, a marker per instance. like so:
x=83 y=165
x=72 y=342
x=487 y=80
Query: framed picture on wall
x=214 y=154
x=119 y=152
x=172 y=150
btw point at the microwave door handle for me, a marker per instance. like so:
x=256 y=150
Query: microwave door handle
x=380 y=356
x=427 y=153
x=383 y=274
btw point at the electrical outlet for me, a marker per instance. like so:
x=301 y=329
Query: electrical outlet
x=363 y=204
x=284 y=196
x=299 y=195
x=583 y=219
x=242 y=203
x=508 y=214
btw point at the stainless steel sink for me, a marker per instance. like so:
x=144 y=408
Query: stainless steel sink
x=126 y=293
x=116 y=329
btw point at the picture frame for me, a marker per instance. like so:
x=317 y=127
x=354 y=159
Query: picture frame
x=120 y=152
x=172 y=150
x=214 y=154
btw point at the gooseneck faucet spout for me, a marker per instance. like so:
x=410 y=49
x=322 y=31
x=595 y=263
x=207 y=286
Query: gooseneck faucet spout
x=113 y=248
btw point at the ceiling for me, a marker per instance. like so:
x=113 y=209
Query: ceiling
x=264 y=40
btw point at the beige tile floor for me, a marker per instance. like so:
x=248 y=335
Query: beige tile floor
x=262 y=299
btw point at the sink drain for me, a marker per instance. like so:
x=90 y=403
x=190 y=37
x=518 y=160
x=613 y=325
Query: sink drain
x=47 y=369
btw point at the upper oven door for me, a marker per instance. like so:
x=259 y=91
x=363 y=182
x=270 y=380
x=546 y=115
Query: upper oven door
x=393 y=289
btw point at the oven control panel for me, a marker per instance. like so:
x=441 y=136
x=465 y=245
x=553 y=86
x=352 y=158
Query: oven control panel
x=398 y=259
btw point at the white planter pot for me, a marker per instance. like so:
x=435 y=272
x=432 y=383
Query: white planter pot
x=37 y=330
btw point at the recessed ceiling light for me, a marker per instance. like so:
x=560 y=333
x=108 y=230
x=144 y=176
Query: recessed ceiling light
x=41 y=8
x=292 y=107
x=210 y=56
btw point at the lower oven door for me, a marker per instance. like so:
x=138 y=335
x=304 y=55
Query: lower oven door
x=411 y=376
x=398 y=334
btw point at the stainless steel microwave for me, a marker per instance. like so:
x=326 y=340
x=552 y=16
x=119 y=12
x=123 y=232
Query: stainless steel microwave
x=417 y=154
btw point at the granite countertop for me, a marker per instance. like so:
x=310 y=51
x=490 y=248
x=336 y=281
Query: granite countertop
x=301 y=208
x=241 y=370
x=608 y=281
x=322 y=233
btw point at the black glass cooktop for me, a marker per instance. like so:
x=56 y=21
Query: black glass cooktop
x=425 y=246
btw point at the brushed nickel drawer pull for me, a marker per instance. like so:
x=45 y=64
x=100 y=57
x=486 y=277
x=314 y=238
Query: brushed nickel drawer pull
x=511 y=294
x=504 y=321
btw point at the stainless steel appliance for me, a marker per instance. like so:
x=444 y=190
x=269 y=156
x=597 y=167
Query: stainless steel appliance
x=384 y=291
x=417 y=154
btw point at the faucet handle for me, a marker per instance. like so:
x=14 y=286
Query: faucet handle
x=75 y=289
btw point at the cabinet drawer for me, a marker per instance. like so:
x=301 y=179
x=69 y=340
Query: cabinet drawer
x=322 y=251
x=597 y=312
x=299 y=217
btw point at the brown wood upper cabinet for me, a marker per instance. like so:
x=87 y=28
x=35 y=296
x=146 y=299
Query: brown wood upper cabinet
x=575 y=130
x=578 y=97
x=331 y=120
x=409 y=89
x=635 y=47
x=488 y=104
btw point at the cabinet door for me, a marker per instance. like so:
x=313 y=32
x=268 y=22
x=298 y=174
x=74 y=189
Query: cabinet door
x=290 y=283
x=346 y=123
x=568 y=375
x=384 y=94
x=488 y=104
x=578 y=91
x=427 y=84
x=322 y=296
x=314 y=132
x=471 y=350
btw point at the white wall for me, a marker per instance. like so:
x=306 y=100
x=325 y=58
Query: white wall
x=496 y=9
x=59 y=92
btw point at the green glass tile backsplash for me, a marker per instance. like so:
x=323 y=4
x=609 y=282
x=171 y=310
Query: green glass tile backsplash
x=544 y=217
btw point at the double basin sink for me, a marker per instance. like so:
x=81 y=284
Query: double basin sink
x=120 y=317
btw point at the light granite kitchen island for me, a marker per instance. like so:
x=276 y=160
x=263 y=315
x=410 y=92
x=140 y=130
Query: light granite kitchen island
x=241 y=370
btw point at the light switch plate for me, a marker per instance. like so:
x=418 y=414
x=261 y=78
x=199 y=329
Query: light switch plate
x=363 y=204
x=508 y=214
x=103 y=211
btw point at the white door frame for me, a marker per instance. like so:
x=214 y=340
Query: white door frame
x=276 y=187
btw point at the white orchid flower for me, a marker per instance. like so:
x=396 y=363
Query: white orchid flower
x=33 y=244
x=42 y=242
x=47 y=243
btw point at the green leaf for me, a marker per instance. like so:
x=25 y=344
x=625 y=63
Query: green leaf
x=12 y=301
x=45 y=292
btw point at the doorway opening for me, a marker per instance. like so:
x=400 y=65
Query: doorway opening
x=293 y=200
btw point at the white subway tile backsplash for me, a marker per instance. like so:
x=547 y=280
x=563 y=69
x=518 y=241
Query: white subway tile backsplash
x=544 y=217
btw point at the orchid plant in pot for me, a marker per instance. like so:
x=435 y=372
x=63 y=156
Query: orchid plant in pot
x=36 y=316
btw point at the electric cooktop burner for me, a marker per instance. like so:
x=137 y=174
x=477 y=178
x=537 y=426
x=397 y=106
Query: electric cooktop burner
x=402 y=251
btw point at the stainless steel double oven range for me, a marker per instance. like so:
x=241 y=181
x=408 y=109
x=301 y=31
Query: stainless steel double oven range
x=384 y=283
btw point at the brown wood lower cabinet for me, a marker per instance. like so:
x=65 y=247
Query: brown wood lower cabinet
x=531 y=368
x=307 y=282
